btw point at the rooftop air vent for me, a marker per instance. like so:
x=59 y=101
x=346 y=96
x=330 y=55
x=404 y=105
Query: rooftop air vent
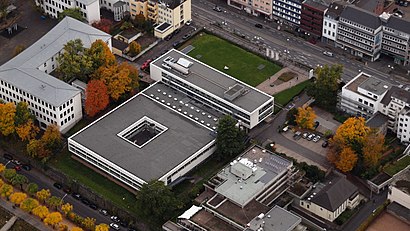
x=233 y=92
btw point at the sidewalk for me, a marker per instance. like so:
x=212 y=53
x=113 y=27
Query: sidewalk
x=272 y=85
x=31 y=219
x=9 y=224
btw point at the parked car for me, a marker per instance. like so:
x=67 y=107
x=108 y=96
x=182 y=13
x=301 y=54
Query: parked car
x=316 y=139
x=305 y=135
x=316 y=124
x=76 y=196
x=177 y=31
x=297 y=134
x=169 y=37
x=176 y=44
x=17 y=168
x=8 y=156
x=186 y=36
x=115 y=219
x=93 y=206
x=85 y=201
x=146 y=64
x=188 y=22
x=57 y=185
x=217 y=9
x=310 y=137
x=325 y=144
x=115 y=226
x=328 y=53
x=103 y=212
x=26 y=167
x=259 y=25
x=285 y=129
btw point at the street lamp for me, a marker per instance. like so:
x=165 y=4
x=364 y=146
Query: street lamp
x=61 y=201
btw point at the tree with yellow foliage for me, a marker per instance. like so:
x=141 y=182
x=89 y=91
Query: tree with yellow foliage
x=100 y=54
x=40 y=211
x=76 y=229
x=29 y=204
x=134 y=48
x=102 y=227
x=352 y=133
x=66 y=208
x=18 y=197
x=305 y=117
x=7 y=114
x=27 y=131
x=89 y=223
x=373 y=149
x=115 y=78
x=43 y=195
x=6 y=190
x=347 y=160
x=52 y=138
x=2 y=168
x=63 y=227
x=53 y=219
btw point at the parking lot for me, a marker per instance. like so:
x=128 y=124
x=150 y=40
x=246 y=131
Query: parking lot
x=309 y=144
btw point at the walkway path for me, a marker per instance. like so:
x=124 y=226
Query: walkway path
x=278 y=85
x=9 y=224
x=31 y=219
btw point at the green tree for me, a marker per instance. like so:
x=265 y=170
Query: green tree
x=23 y=114
x=31 y=189
x=126 y=25
x=230 y=138
x=52 y=138
x=72 y=12
x=326 y=86
x=9 y=173
x=157 y=200
x=19 y=179
x=54 y=201
x=74 y=62
x=100 y=55
x=291 y=116
x=29 y=204
x=134 y=48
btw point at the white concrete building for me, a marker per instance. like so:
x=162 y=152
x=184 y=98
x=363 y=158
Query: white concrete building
x=27 y=77
x=330 y=199
x=399 y=190
x=89 y=8
x=171 y=15
x=330 y=21
x=212 y=88
x=287 y=11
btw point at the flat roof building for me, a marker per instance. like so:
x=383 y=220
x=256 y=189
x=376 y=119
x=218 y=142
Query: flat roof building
x=147 y=138
x=27 y=77
x=212 y=87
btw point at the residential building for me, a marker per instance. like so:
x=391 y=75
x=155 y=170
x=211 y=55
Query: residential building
x=287 y=11
x=312 y=17
x=378 y=122
x=256 y=7
x=159 y=134
x=172 y=14
x=331 y=20
x=152 y=9
x=396 y=38
x=330 y=199
x=365 y=95
x=212 y=88
x=89 y=8
x=109 y=4
x=138 y=7
x=28 y=76
x=238 y=196
x=399 y=190
x=359 y=32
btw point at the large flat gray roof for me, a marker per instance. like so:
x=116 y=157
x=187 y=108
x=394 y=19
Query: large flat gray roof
x=22 y=72
x=182 y=138
x=215 y=81
x=375 y=86
x=277 y=219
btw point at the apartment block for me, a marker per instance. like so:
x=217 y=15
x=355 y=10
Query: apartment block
x=331 y=21
x=287 y=11
x=312 y=17
x=255 y=7
x=89 y=8
x=172 y=14
x=138 y=7
x=28 y=76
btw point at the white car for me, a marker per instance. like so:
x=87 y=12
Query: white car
x=328 y=53
x=316 y=139
x=188 y=22
x=115 y=226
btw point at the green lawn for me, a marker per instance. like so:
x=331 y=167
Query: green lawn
x=242 y=64
x=397 y=166
x=95 y=181
x=284 y=97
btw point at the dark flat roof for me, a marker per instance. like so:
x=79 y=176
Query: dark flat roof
x=361 y=17
x=182 y=138
x=377 y=120
x=215 y=82
x=399 y=24
x=163 y=26
x=120 y=45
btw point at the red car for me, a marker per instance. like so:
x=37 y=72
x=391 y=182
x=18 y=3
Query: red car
x=18 y=168
x=146 y=64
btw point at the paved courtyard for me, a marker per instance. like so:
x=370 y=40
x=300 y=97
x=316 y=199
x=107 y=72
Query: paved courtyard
x=33 y=29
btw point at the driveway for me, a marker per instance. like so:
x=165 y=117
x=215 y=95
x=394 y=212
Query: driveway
x=325 y=120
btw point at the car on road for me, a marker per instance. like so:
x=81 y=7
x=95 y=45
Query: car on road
x=186 y=36
x=115 y=219
x=103 y=212
x=85 y=201
x=93 y=206
x=188 y=22
x=8 y=156
x=257 y=25
x=310 y=137
x=328 y=53
x=58 y=185
x=146 y=64
x=285 y=129
x=76 y=196
x=316 y=139
x=115 y=226
x=26 y=167
x=325 y=144
x=290 y=106
x=217 y=9
x=176 y=44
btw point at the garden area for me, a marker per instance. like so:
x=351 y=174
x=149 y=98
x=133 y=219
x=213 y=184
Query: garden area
x=243 y=65
x=284 y=97
x=397 y=166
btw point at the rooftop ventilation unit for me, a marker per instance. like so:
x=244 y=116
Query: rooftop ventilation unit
x=234 y=91
x=180 y=66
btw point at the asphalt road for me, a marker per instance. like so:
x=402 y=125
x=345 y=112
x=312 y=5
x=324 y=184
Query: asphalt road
x=44 y=182
x=270 y=37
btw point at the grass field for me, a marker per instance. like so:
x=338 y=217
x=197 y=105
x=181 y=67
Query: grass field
x=242 y=64
x=284 y=97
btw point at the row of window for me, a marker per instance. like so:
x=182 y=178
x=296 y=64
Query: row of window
x=357 y=25
x=330 y=25
x=354 y=43
x=328 y=33
x=365 y=102
x=356 y=32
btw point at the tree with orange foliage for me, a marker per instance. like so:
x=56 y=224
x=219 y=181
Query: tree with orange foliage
x=134 y=48
x=373 y=149
x=27 y=131
x=305 y=117
x=133 y=74
x=53 y=219
x=40 y=211
x=7 y=115
x=104 y=25
x=97 y=98
x=18 y=197
x=347 y=160
x=115 y=78
x=36 y=148
x=352 y=133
